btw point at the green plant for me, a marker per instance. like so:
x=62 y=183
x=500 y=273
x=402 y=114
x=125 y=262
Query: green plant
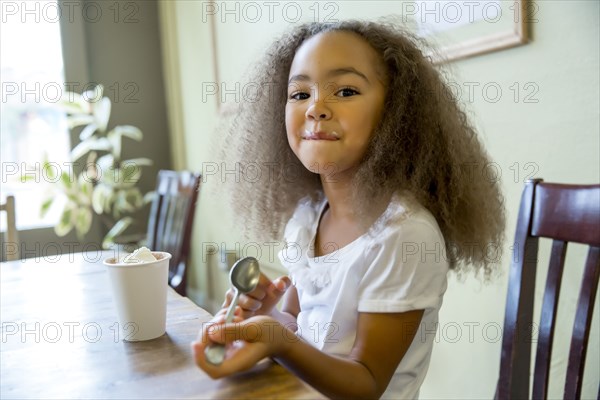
x=107 y=184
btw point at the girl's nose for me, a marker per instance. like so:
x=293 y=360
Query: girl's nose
x=318 y=111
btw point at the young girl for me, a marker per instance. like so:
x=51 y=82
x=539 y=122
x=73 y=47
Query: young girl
x=380 y=171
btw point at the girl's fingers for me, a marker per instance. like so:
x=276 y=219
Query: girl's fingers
x=259 y=293
x=239 y=357
x=227 y=333
x=243 y=357
x=243 y=314
x=218 y=331
x=248 y=303
x=282 y=284
x=228 y=298
x=242 y=352
x=262 y=288
x=237 y=319
x=220 y=312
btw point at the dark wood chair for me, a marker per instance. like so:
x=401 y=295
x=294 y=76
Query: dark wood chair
x=564 y=213
x=171 y=220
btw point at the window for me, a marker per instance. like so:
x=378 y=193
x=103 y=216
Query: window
x=32 y=126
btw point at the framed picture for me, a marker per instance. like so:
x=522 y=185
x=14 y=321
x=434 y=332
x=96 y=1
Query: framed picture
x=461 y=29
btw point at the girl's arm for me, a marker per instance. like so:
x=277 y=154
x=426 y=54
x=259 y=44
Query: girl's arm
x=381 y=342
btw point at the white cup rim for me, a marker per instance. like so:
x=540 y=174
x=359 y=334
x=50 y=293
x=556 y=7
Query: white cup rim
x=160 y=256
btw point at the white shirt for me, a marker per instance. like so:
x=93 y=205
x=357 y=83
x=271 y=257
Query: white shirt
x=398 y=266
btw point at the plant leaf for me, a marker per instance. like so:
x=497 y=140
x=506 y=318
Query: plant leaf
x=78 y=120
x=130 y=174
x=109 y=198
x=102 y=113
x=65 y=223
x=93 y=95
x=48 y=170
x=130 y=131
x=28 y=178
x=128 y=200
x=149 y=197
x=115 y=140
x=125 y=177
x=83 y=221
x=121 y=205
x=73 y=103
x=105 y=163
x=140 y=162
x=133 y=197
x=88 y=131
x=85 y=190
x=109 y=176
x=102 y=198
x=91 y=167
x=65 y=180
x=46 y=206
x=115 y=231
x=98 y=199
x=100 y=144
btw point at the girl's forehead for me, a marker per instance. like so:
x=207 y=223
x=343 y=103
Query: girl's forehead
x=336 y=49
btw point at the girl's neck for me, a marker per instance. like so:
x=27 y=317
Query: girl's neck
x=338 y=191
x=341 y=223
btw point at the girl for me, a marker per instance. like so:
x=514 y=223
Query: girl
x=377 y=166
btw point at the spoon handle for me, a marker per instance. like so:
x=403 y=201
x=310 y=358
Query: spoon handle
x=215 y=352
x=231 y=309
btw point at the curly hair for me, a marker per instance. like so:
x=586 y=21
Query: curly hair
x=423 y=145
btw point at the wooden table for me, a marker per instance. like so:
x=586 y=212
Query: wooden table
x=59 y=340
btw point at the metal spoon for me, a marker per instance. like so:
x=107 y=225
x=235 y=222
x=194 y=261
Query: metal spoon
x=244 y=277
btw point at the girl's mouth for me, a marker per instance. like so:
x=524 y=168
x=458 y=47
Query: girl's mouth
x=320 y=135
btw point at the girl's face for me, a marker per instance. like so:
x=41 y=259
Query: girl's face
x=335 y=100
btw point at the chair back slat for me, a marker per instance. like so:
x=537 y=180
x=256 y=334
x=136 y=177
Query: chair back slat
x=163 y=217
x=583 y=322
x=548 y=319
x=567 y=212
x=172 y=237
x=171 y=219
x=516 y=354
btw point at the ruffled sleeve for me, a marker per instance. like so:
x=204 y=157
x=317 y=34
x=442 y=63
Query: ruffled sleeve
x=408 y=271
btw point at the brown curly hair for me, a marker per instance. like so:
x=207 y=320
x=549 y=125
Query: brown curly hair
x=423 y=145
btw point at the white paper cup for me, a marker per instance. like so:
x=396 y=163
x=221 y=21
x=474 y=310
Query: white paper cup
x=140 y=296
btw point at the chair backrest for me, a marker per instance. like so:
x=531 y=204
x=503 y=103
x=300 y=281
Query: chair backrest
x=171 y=219
x=564 y=213
x=11 y=237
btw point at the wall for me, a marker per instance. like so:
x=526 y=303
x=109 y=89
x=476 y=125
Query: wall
x=124 y=54
x=545 y=123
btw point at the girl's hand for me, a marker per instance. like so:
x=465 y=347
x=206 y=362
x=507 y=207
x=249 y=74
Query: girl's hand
x=247 y=342
x=262 y=300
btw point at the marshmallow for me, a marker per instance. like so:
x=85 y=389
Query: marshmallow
x=143 y=254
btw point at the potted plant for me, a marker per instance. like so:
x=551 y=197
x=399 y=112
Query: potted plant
x=107 y=183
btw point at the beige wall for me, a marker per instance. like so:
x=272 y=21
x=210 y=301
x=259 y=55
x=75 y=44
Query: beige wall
x=549 y=129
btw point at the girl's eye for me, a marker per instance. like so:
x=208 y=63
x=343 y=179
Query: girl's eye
x=347 y=92
x=299 y=96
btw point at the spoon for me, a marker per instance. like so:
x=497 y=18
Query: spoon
x=244 y=277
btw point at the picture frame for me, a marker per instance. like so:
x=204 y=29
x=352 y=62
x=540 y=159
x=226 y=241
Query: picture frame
x=464 y=29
